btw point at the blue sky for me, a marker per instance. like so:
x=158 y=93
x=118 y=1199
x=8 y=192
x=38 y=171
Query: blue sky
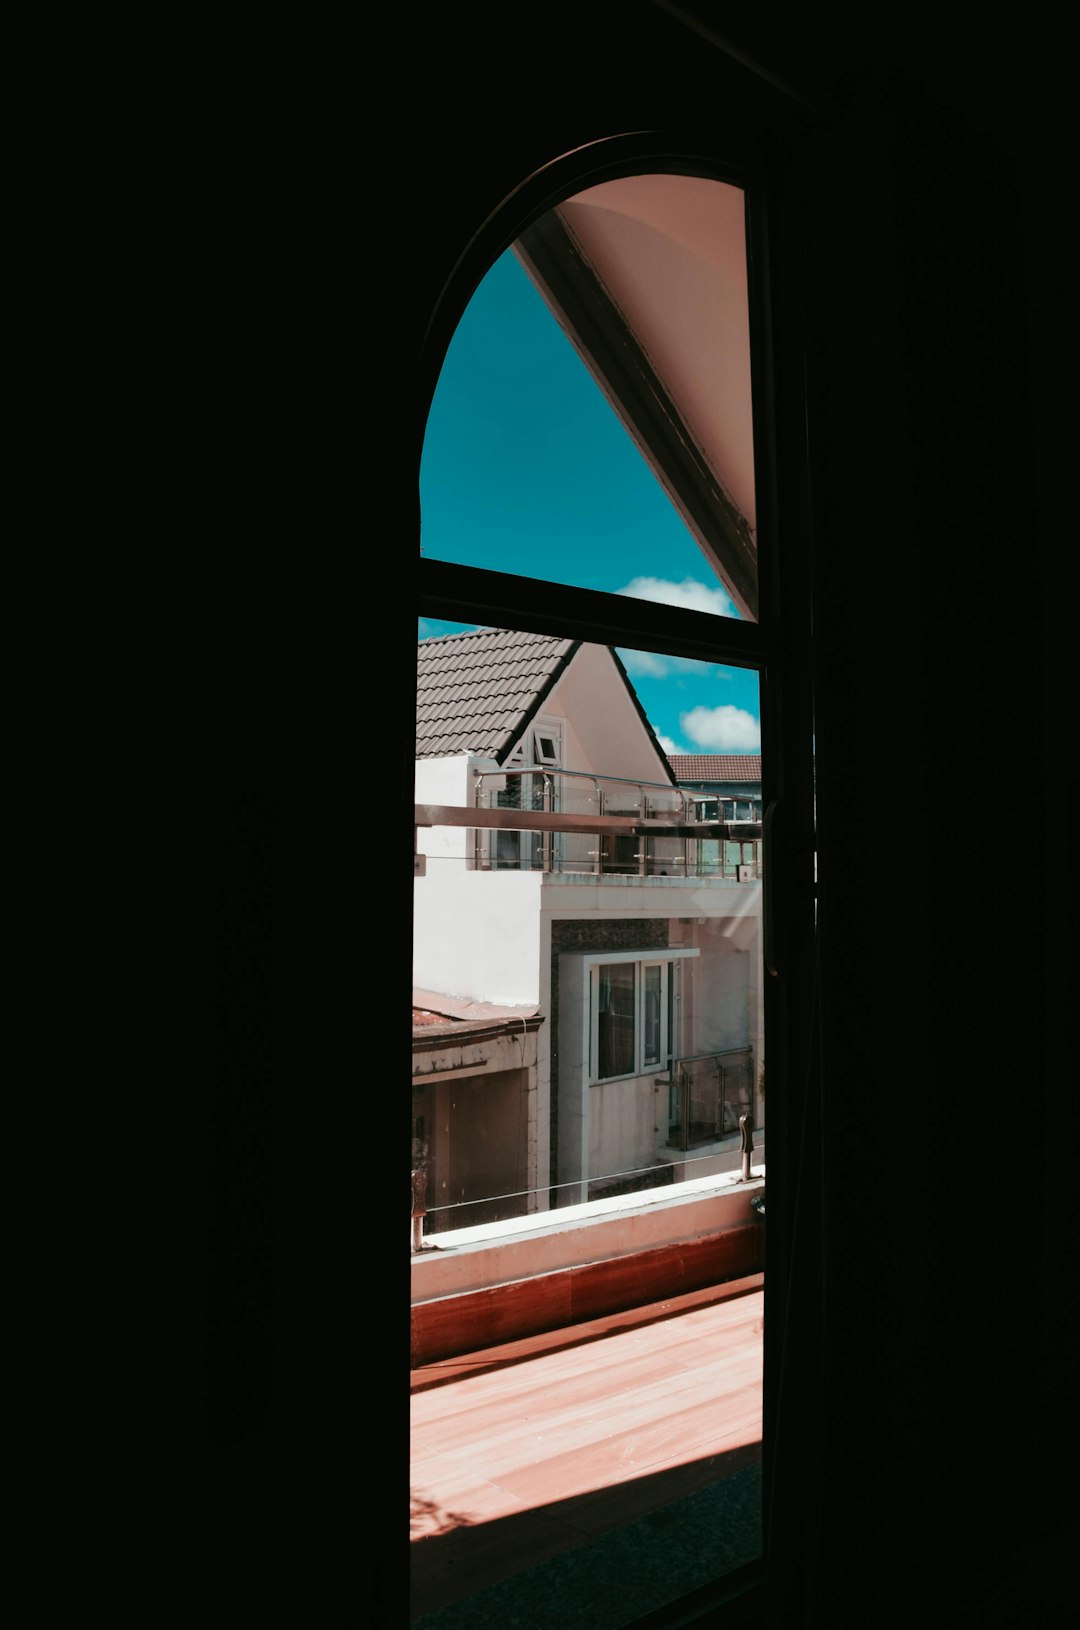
x=527 y=469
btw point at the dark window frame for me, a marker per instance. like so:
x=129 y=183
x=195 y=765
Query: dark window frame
x=778 y=646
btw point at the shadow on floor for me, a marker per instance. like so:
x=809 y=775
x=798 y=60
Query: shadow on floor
x=610 y=1582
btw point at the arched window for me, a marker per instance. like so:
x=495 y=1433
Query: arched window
x=645 y=269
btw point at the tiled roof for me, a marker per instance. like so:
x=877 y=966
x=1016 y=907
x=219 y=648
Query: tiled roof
x=697 y=767
x=475 y=693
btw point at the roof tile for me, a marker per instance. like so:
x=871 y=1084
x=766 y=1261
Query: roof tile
x=694 y=768
x=475 y=691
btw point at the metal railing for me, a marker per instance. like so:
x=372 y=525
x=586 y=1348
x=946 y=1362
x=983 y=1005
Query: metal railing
x=707 y=1095
x=430 y=1221
x=642 y=828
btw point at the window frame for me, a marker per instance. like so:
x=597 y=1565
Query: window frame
x=667 y=961
x=779 y=647
x=543 y=848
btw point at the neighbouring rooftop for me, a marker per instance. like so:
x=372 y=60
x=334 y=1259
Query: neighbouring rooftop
x=457 y=1015
x=706 y=768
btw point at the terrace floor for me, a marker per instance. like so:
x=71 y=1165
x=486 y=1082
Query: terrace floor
x=591 y=1475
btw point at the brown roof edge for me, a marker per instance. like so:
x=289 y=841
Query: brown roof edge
x=629 y=683
x=469 y=1010
x=539 y=698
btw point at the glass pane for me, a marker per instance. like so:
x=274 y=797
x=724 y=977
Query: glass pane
x=648 y=842
x=588 y=989
x=583 y=1036
x=638 y=478
x=615 y=1021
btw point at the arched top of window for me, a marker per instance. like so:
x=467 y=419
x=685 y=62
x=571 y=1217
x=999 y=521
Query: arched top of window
x=646 y=276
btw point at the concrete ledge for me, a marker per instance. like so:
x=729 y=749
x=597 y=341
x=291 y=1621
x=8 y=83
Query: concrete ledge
x=554 y=1269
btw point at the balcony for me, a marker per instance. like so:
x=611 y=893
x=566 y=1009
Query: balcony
x=709 y=1095
x=535 y=1476
x=582 y=1379
x=569 y=823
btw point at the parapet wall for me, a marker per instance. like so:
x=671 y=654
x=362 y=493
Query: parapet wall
x=478 y=1287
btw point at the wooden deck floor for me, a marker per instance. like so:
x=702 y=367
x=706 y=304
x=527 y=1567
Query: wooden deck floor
x=533 y=1448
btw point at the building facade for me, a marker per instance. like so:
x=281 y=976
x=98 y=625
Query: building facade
x=612 y=929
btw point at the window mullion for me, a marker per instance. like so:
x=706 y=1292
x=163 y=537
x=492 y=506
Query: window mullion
x=476 y=595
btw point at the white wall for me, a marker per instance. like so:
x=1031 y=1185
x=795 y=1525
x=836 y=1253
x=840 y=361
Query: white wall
x=607 y=735
x=724 y=987
x=574 y=1150
x=443 y=781
x=475 y=934
x=622 y=1122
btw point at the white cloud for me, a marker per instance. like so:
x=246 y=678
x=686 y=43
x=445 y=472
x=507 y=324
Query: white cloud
x=689 y=595
x=722 y=729
x=668 y=745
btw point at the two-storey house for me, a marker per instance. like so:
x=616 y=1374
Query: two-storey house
x=570 y=893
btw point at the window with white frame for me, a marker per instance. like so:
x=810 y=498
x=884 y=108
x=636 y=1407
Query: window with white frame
x=632 y=1008
x=540 y=747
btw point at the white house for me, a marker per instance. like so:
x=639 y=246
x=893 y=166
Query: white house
x=567 y=889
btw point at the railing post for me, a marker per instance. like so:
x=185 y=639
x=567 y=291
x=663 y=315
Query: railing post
x=419 y=1207
x=746 y=1127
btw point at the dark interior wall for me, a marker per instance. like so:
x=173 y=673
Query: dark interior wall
x=930 y=576
x=931 y=203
